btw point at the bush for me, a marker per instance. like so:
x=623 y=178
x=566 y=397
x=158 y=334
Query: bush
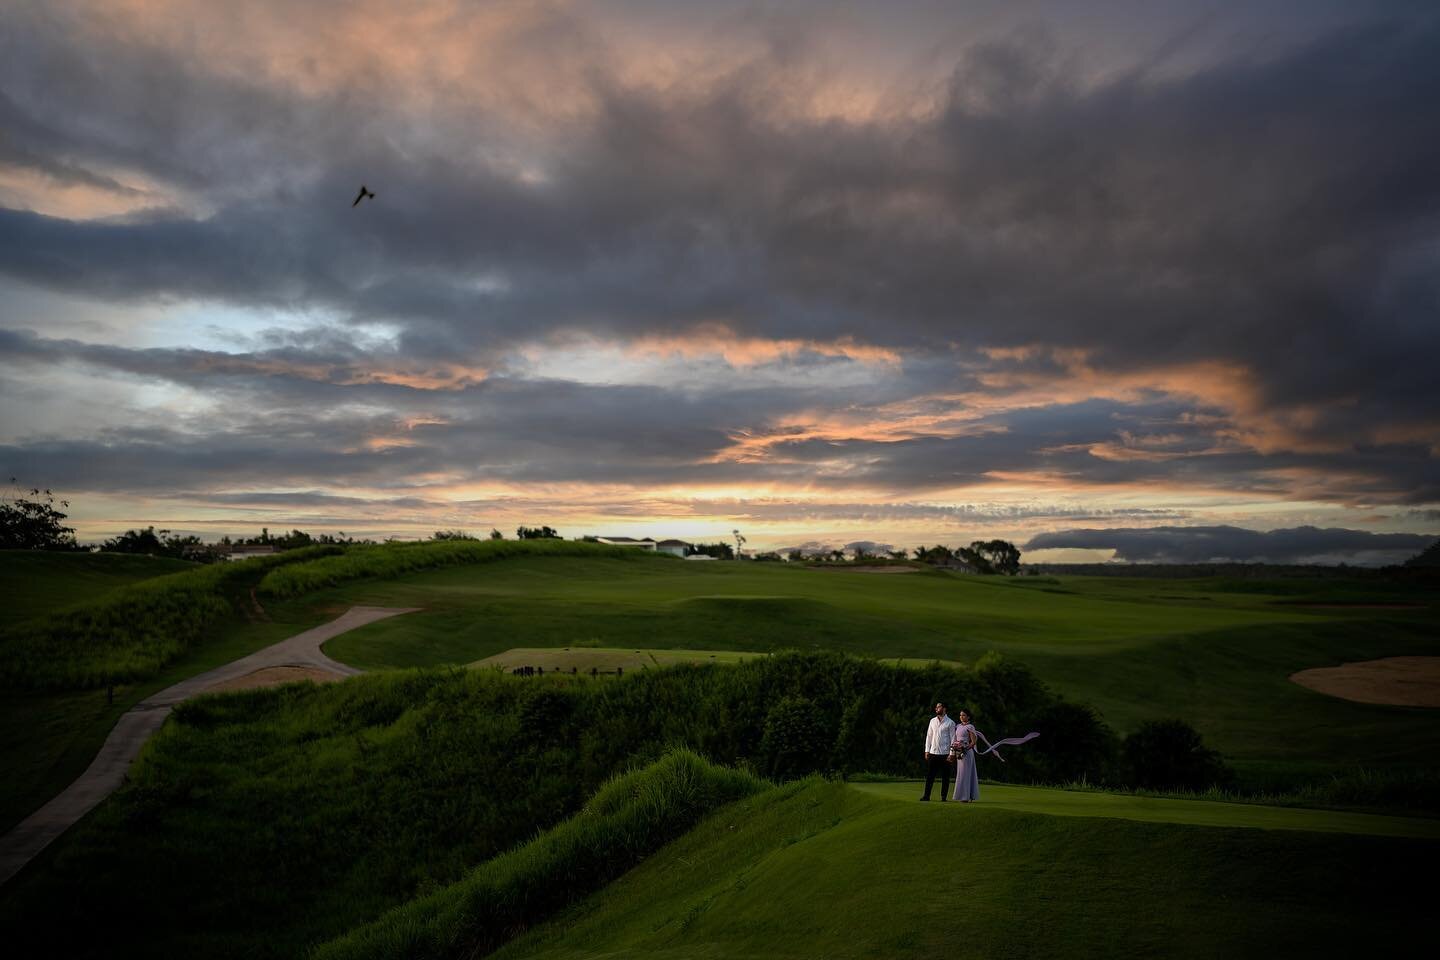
x=792 y=739
x=1169 y=755
x=396 y=559
x=631 y=816
x=131 y=633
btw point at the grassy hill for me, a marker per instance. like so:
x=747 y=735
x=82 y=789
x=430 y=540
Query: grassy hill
x=37 y=582
x=1215 y=652
x=845 y=871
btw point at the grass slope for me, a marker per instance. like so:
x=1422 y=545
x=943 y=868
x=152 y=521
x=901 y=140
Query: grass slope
x=37 y=582
x=627 y=819
x=835 y=871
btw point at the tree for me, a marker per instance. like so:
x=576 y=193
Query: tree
x=496 y=534
x=537 y=533
x=975 y=558
x=896 y=554
x=720 y=551
x=1001 y=555
x=451 y=535
x=1168 y=755
x=159 y=543
x=937 y=554
x=31 y=522
x=796 y=555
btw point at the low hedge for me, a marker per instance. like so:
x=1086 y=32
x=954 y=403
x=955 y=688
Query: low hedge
x=630 y=817
x=131 y=633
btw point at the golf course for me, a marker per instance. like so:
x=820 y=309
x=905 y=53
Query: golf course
x=447 y=794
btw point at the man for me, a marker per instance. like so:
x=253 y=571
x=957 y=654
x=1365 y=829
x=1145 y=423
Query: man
x=937 y=752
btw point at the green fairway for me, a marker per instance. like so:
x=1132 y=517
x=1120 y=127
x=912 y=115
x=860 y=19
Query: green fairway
x=1205 y=813
x=1215 y=653
x=35 y=582
x=839 y=871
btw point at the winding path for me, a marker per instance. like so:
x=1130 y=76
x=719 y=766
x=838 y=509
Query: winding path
x=107 y=771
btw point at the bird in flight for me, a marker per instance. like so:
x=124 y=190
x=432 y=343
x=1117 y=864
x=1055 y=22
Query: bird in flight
x=362 y=195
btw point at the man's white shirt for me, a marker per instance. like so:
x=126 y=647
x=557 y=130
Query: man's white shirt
x=938 y=737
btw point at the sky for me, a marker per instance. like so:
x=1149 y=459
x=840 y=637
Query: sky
x=1132 y=280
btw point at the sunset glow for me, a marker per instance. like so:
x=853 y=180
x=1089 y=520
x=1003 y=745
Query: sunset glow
x=906 y=274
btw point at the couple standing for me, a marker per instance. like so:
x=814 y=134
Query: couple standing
x=946 y=743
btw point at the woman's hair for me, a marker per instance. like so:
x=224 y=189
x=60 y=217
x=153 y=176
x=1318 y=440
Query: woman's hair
x=962 y=710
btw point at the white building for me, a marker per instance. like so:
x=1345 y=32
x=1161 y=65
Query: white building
x=676 y=547
x=645 y=544
x=244 y=551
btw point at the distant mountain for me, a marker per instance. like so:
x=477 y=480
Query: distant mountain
x=1429 y=557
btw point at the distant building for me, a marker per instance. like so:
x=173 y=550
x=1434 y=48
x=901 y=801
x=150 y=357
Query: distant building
x=244 y=551
x=678 y=548
x=644 y=544
x=699 y=556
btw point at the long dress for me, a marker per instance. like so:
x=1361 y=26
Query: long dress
x=967 y=779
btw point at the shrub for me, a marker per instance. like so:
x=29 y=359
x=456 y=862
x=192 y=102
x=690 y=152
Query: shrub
x=131 y=633
x=1169 y=754
x=792 y=739
x=631 y=816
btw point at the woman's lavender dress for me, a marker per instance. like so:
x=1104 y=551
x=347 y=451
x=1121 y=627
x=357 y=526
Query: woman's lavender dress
x=967 y=780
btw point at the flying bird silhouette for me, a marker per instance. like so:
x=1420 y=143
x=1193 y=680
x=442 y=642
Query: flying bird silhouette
x=362 y=195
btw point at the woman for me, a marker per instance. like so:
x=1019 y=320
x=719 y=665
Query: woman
x=967 y=780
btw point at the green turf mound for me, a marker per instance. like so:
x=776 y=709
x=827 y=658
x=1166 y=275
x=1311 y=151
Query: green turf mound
x=132 y=632
x=832 y=871
x=37 y=582
x=630 y=817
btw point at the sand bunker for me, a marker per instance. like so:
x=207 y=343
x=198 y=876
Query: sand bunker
x=1396 y=681
x=273 y=677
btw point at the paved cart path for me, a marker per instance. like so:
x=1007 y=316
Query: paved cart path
x=107 y=771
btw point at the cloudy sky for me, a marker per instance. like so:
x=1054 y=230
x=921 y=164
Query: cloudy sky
x=1113 y=277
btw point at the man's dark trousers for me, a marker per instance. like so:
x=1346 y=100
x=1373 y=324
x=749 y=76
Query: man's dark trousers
x=937 y=763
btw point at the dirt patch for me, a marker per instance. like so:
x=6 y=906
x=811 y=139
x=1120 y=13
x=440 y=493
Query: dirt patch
x=877 y=569
x=273 y=677
x=1395 y=681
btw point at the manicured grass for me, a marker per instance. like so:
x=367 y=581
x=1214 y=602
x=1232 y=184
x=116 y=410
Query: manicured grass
x=1205 y=813
x=1214 y=653
x=840 y=872
x=36 y=582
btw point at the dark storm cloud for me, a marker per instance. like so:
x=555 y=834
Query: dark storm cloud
x=1272 y=211
x=1224 y=543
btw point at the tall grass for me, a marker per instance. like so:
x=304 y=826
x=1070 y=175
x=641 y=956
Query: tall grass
x=630 y=817
x=131 y=633
x=396 y=559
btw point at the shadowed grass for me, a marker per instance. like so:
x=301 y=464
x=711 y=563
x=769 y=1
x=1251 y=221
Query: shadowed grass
x=37 y=582
x=631 y=816
x=832 y=871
